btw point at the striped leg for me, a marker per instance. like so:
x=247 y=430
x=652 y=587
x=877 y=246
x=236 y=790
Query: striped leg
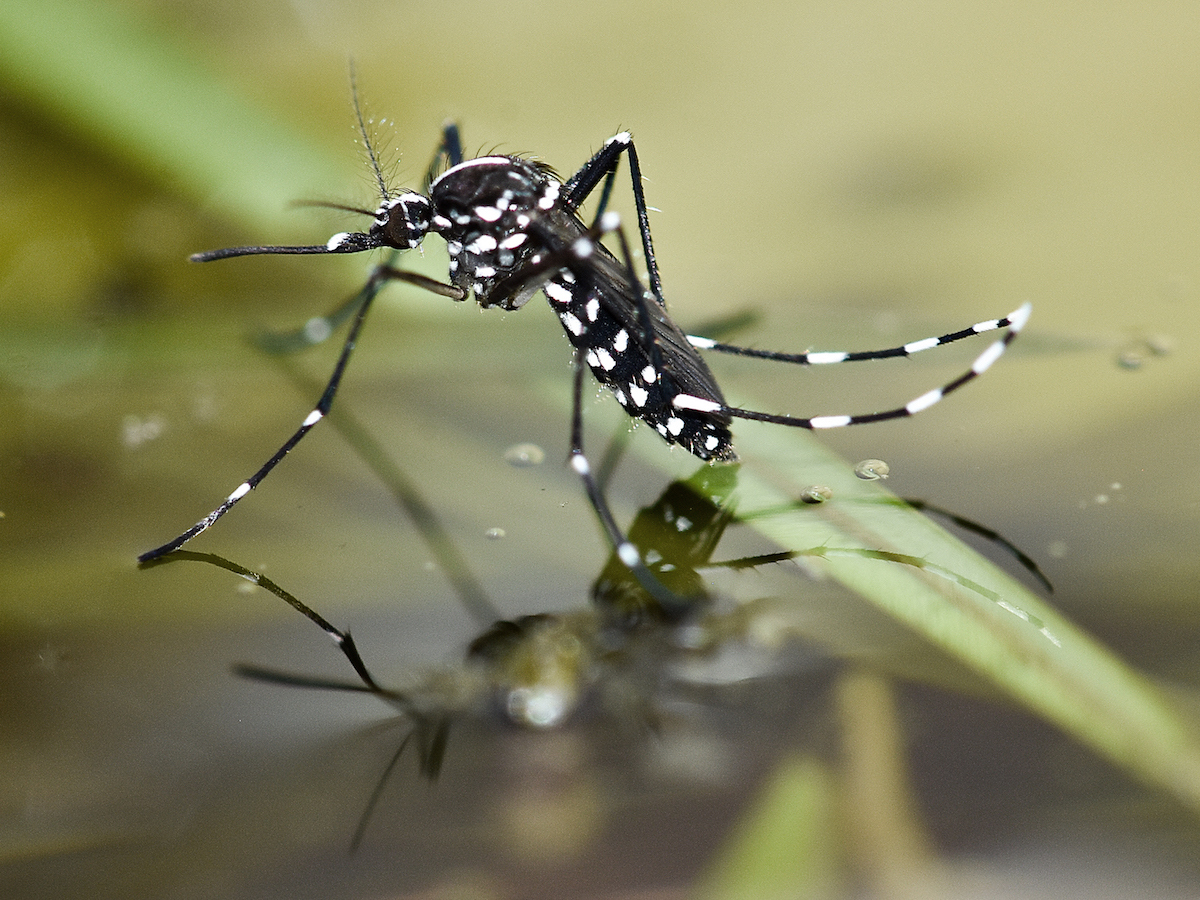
x=1014 y=322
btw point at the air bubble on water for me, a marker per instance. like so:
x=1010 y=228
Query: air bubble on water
x=524 y=455
x=872 y=470
x=317 y=329
x=1130 y=359
x=817 y=493
x=1137 y=354
x=136 y=431
x=1160 y=345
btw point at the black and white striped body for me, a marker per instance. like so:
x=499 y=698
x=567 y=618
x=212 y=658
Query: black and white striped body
x=512 y=229
x=501 y=215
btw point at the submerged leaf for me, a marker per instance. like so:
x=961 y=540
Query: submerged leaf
x=981 y=616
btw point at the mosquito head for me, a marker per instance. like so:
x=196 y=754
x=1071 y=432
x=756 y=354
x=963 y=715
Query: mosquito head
x=402 y=222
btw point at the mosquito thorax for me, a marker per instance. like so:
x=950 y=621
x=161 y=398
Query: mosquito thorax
x=484 y=208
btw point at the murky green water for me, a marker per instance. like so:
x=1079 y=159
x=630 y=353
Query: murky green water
x=857 y=177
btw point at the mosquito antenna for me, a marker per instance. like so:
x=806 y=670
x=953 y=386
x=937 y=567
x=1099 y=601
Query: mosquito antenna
x=366 y=138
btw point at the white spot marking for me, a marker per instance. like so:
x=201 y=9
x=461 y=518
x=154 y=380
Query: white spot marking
x=514 y=240
x=639 y=394
x=592 y=309
x=918 y=346
x=621 y=341
x=337 y=240
x=1017 y=320
x=241 y=491
x=610 y=221
x=688 y=401
x=925 y=401
x=710 y=443
x=550 y=197
x=441 y=221
x=583 y=248
x=477 y=161
x=482 y=244
x=313 y=418
x=623 y=137
x=827 y=357
x=989 y=356
x=829 y=421
x=580 y=464
x=702 y=342
x=629 y=555
x=675 y=425
x=990 y=325
x=488 y=213
x=607 y=363
x=572 y=323
x=557 y=292
x=484 y=271
x=649 y=375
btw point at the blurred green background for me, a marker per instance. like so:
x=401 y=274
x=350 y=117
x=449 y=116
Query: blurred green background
x=856 y=175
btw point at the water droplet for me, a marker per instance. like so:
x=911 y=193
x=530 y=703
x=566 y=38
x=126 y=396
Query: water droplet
x=494 y=534
x=524 y=455
x=817 y=493
x=872 y=470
